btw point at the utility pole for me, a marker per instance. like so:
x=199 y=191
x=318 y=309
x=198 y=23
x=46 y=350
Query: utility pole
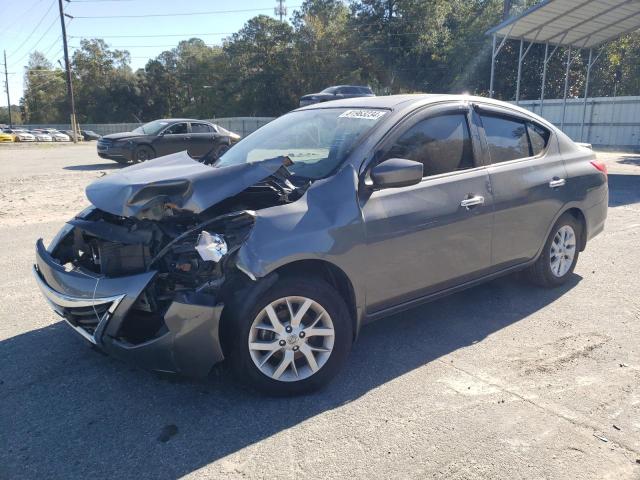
x=6 y=83
x=281 y=9
x=72 y=105
x=506 y=9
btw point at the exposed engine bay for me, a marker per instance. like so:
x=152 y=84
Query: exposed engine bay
x=192 y=252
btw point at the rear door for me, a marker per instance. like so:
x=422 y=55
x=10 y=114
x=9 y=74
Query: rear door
x=174 y=138
x=527 y=180
x=436 y=234
x=202 y=139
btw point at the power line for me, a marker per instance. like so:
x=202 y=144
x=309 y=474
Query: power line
x=182 y=14
x=33 y=47
x=34 y=30
x=156 y=35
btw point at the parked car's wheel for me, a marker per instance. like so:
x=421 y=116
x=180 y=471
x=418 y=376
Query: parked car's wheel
x=293 y=339
x=559 y=255
x=143 y=153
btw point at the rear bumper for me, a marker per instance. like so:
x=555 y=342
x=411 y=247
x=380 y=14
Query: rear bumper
x=96 y=307
x=596 y=216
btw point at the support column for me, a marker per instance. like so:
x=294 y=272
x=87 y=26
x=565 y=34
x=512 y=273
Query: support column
x=566 y=87
x=519 y=72
x=544 y=75
x=592 y=61
x=493 y=61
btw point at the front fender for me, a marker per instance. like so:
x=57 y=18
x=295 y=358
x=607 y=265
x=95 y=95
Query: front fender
x=324 y=224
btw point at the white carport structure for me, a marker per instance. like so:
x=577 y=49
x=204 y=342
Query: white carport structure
x=572 y=24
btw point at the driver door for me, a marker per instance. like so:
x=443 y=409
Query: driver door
x=437 y=234
x=175 y=138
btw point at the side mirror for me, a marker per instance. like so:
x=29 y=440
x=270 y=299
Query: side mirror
x=396 y=172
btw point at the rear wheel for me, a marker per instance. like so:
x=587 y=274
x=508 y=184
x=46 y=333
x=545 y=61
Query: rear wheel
x=560 y=254
x=293 y=340
x=143 y=153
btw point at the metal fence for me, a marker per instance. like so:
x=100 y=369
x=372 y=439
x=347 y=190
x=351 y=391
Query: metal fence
x=612 y=122
x=240 y=125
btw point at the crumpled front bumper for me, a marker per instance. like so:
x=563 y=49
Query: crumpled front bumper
x=96 y=306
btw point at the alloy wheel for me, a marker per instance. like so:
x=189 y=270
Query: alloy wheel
x=291 y=339
x=562 y=250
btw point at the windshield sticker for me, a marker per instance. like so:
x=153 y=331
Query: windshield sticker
x=364 y=114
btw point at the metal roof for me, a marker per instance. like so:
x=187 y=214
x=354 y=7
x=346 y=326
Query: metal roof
x=577 y=23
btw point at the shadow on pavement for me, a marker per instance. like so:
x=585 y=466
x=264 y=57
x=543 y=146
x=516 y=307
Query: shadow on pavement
x=95 y=166
x=623 y=189
x=69 y=412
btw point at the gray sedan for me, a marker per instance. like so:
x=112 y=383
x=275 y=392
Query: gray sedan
x=325 y=219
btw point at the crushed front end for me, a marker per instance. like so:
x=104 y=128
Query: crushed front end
x=139 y=288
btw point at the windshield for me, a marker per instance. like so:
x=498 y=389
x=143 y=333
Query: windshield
x=317 y=140
x=151 y=128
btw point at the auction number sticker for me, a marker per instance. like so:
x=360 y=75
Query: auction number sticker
x=364 y=114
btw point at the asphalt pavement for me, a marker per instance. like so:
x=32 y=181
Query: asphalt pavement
x=504 y=380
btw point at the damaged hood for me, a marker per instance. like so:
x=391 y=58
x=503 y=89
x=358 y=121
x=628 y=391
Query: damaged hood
x=175 y=179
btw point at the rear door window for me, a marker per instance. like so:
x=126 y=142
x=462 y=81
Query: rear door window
x=507 y=137
x=441 y=143
x=201 y=128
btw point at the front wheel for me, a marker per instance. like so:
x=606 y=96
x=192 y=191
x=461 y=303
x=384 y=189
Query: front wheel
x=560 y=254
x=293 y=340
x=143 y=153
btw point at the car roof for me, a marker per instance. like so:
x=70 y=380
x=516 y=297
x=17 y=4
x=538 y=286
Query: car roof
x=398 y=102
x=181 y=120
x=391 y=102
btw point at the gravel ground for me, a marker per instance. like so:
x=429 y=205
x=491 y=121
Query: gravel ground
x=501 y=381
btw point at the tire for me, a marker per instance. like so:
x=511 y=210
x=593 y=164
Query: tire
x=552 y=269
x=143 y=153
x=250 y=324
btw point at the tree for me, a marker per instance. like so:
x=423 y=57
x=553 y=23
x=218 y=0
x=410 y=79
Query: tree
x=259 y=77
x=44 y=93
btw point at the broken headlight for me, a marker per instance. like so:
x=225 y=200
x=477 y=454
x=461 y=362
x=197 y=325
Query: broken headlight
x=211 y=246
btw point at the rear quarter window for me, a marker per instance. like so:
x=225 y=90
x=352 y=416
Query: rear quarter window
x=539 y=137
x=507 y=137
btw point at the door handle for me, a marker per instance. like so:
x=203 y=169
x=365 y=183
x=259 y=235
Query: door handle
x=472 y=201
x=557 y=182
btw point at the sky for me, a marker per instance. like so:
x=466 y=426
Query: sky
x=29 y=25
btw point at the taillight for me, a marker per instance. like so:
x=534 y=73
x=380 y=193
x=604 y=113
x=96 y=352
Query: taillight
x=600 y=166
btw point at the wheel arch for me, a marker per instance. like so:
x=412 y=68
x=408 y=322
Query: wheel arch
x=330 y=273
x=577 y=213
x=250 y=290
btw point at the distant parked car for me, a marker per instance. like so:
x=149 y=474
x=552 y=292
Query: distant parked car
x=69 y=133
x=20 y=135
x=90 y=135
x=336 y=93
x=7 y=137
x=166 y=136
x=41 y=136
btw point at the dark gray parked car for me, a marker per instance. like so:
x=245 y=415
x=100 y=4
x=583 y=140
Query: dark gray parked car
x=323 y=220
x=336 y=93
x=166 y=136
